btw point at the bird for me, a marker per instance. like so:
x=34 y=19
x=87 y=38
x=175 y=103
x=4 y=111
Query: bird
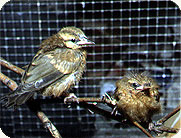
x=57 y=66
x=137 y=97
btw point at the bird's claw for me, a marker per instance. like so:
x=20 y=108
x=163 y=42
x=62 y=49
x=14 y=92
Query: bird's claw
x=71 y=96
x=106 y=95
x=112 y=102
x=155 y=127
x=114 y=111
x=158 y=123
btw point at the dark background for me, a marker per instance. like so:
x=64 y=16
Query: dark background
x=129 y=35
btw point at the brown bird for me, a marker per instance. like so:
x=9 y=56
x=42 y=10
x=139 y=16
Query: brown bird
x=137 y=97
x=58 y=65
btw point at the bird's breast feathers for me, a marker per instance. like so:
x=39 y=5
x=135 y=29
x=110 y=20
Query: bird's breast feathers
x=67 y=60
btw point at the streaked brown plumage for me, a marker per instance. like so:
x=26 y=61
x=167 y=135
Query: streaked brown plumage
x=57 y=66
x=138 y=97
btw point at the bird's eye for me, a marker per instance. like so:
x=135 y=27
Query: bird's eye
x=147 y=84
x=73 y=40
x=135 y=85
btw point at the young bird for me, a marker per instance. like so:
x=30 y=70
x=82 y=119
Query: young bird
x=137 y=97
x=59 y=64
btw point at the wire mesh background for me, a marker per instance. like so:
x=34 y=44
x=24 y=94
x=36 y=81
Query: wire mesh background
x=142 y=35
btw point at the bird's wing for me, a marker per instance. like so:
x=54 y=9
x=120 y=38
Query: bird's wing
x=47 y=68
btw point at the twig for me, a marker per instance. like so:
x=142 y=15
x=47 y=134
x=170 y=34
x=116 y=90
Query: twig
x=10 y=66
x=13 y=85
x=8 y=82
x=165 y=118
x=91 y=99
x=86 y=99
x=48 y=124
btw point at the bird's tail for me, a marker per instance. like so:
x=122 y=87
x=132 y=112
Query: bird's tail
x=15 y=99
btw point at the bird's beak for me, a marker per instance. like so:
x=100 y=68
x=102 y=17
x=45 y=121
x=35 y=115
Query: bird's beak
x=142 y=88
x=85 y=41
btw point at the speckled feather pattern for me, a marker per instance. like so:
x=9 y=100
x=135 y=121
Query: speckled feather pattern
x=76 y=66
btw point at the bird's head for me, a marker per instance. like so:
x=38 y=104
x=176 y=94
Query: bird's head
x=140 y=82
x=74 y=37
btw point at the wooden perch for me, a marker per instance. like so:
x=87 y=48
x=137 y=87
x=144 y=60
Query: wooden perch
x=92 y=100
x=10 y=66
x=48 y=124
x=8 y=82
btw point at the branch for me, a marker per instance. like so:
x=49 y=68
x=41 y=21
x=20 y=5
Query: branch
x=10 y=66
x=111 y=103
x=8 y=82
x=48 y=124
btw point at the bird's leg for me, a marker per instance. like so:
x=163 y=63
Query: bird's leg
x=107 y=96
x=112 y=102
x=114 y=111
x=109 y=100
x=71 y=96
x=153 y=127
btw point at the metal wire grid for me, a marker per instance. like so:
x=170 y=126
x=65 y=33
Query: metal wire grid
x=142 y=35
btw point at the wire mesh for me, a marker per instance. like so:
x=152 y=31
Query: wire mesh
x=129 y=35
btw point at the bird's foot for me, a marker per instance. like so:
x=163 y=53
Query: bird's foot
x=112 y=102
x=159 y=128
x=109 y=97
x=72 y=97
x=155 y=127
x=114 y=111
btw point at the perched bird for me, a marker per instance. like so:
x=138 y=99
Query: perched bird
x=58 y=65
x=137 y=97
